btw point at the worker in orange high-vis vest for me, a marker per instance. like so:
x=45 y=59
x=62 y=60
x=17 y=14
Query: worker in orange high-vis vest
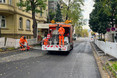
x=61 y=35
x=22 y=42
x=45 y=41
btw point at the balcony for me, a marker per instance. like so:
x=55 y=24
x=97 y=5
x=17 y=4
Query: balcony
x=6 y=9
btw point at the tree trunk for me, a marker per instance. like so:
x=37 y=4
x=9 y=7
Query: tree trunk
x=34 y=26
x=67 y=10
x=99 y=35
x=0 y=31
x=67 y=13
x=104 y=37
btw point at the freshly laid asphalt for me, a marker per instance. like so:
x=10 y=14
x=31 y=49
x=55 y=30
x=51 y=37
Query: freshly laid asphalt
x=79 y=63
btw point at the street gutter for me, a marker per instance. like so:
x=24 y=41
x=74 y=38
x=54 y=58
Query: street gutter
x=104 y=74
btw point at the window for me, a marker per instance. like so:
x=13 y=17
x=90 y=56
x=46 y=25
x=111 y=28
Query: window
x=28 y=25
x=41 y=12
x=2 y=1
x=2 y=22
x=10 y=2
x=20 y=23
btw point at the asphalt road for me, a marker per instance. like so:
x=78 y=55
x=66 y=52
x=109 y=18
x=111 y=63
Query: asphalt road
x=80 y=63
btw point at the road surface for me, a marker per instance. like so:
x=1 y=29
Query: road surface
x=80 y=63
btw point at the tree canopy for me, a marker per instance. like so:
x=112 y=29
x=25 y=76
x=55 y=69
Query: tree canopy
x=99 y=20
x=35 y=6
x=58 y=14
x=72 y=11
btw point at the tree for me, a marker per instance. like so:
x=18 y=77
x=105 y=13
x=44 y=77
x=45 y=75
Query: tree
x=110 y=8
x=58 y=14
x=99 y=20
x=72 y=11
x=0 y=31
x=78 y=30
x=35 y=6
x=92 y=33
x=84 y=33
x=51 y=16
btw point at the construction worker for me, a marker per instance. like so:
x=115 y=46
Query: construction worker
x=61 y=35
x=45 y=41
x=22 y=42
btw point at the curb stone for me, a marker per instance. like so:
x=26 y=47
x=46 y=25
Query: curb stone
x=104 y=74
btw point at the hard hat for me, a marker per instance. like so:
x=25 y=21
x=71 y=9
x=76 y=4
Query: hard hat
x=24 y=37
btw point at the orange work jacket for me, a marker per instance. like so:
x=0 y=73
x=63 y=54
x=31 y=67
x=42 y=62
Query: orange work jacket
x=61 y=30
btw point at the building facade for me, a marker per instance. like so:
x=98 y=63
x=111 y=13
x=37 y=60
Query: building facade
x=52 y=5
x=15 y=22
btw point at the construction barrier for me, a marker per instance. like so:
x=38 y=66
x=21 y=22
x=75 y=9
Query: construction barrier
x=107 y=47
x=10 y=42
x=2 y=42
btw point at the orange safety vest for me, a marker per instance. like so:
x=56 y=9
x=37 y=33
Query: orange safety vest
x=61 y=30
x=22 y=40
x=46 y=41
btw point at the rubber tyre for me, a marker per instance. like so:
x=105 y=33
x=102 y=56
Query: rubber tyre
x=72 y=47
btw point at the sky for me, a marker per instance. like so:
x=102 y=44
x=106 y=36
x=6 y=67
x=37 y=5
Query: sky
x=87 y=9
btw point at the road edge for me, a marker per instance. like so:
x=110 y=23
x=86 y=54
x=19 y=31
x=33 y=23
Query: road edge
x=103 y=73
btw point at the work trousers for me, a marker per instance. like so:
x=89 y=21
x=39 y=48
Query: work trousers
x=61 y=37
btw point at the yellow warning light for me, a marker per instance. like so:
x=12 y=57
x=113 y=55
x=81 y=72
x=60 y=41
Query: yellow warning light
x=52 y=21
x=68 y=21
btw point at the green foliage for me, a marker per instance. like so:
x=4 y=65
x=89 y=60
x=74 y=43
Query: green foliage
x=35 y=6
x=101 y=39
x=58 y=14
x=72 y=11
x=114 y=66
x=84 y=33
x=99 y=19
x=78 y=31
x=103 y=16
x=51 y=15
x=92 y=33
x=1 y=50
x=111 y=9
x=11 y=48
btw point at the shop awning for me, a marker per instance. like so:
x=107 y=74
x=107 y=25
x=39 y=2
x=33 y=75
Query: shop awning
x=43 y=26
